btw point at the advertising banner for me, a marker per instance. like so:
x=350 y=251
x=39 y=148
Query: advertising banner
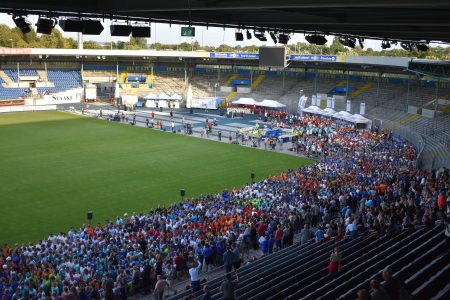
x=329 y=58
x=71 y=96
x=349 y=106
x=362 y=108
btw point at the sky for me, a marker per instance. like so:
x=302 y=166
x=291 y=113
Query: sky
x=166 y=34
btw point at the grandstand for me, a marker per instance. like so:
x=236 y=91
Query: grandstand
x=387 y=91
x=14 y=83
x=373 y=206
x=300 y=271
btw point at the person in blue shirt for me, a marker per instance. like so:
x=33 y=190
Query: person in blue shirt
x=265 y=246
x=320 y=234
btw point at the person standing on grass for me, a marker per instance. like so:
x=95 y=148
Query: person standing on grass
x=173 y=126
x=220 y=135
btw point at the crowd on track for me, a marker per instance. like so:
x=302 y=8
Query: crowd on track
x=364 y=182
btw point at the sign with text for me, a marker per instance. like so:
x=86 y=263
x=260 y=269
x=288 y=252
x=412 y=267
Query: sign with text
x=329 y=58
x=14 y=51
x=72 y=96
x=234 y=55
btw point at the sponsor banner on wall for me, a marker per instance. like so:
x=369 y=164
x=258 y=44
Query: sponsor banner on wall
x=362 y=108
x=71 y=96
x=301 y=104
x=234 y=55
x=15 y=51
x=314 y=100
x=205 y=103
x=329 y=58
x=329 y=102
x=348 y=106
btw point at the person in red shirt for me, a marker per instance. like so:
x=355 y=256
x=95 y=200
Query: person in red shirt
x=279 y=238
x=441 y=200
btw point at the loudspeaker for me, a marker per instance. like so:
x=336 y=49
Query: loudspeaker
x=182 y=192
x=89 y=27
x=120 y=30
x=140 y=32
x=92 y=27
x=71 y=25
x=90 y=215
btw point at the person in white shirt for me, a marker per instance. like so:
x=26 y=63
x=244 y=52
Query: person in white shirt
x=194 y=272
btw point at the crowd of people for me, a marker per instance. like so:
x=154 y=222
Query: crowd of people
x=365 y=181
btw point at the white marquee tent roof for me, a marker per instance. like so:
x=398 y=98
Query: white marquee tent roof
x=245 y=101
x=270 y=103
x=313 y=109
x=344 y=115
x=357 y=118
x=163 y=96
x=151 y=96
x=175 y=97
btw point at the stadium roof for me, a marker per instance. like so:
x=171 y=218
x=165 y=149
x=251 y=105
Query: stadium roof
x=390 y=19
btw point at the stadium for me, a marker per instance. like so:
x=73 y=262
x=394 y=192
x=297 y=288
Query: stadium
x=207 y=174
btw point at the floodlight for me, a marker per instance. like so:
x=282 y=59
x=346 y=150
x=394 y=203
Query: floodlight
x=385 y=45
x=45 y=25
x=22 y=23
x=406 y=46
x=283 y=38
x=239 y=36
x=274 y=38
x=422 y=47
x=316 y=39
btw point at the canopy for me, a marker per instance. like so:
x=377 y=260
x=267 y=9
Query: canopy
x=175 y=97
x=312 y=109
x=328 y=111
x=151 y=96
x=356 y=118
x=163 y=96
x=271 y=104
x=344 y=115
x=245 y=101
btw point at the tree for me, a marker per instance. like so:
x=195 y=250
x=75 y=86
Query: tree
x=91 y=45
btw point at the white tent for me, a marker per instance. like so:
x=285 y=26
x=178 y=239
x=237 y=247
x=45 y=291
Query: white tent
x=343 y=115
x=151 y=96
x=176 y=97
x=163 y=96
x=245 y=101
x=313 y=110
x=328 y=111
x=358 y=119
x=271 y=104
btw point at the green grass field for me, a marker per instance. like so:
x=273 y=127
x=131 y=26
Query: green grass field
x=54 y=167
